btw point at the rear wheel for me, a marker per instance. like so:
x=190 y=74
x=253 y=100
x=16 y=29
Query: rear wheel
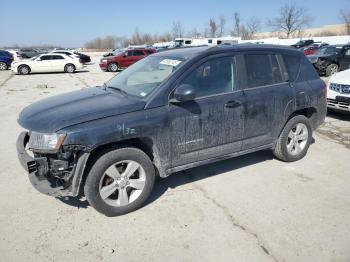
x=294 y=139
x=113 y=67
x=332 y=69
x=120 y=181
x=69 y=68
x=24 y=70
x=3 y=66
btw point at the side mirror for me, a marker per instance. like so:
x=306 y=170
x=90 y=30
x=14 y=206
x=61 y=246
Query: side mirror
x=125 y=54
x=183 y=93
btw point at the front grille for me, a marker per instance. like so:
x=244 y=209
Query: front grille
x=332 y=103
x=340 y=88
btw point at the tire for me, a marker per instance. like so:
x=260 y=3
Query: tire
x=292 y=144
x=113 y=67
x=69 y=68
x=3 y=66
x=332 y=69
x=109 y=187
x=23 y=70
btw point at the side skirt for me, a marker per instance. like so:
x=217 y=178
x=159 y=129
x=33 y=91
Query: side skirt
x=215 y=159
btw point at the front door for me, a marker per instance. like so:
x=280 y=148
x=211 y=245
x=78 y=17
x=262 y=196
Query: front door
x=211 y=125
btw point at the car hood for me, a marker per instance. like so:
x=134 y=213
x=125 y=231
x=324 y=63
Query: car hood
x=57 y=112
x=342 y=78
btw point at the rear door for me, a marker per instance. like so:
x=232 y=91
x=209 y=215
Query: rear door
x=138 y=55
x=267 y=93
x=58 y=63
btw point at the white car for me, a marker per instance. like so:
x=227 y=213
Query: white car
x=338 y=95
x=16 y=55
x=47 y=63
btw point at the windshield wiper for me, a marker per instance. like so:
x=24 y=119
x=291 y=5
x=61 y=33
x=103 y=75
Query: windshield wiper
x=116 y=88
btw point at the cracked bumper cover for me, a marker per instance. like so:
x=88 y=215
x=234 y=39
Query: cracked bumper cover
x=38 y=171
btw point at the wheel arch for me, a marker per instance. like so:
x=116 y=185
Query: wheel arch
x=21 y=65
x=308 y=112
x=145 y=144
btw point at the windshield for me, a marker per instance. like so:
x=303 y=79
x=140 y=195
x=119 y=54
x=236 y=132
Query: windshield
x=329 y=50
x=142 y=77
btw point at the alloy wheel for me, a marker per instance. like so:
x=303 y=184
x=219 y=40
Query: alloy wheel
x=122 y=183
x=297 y=139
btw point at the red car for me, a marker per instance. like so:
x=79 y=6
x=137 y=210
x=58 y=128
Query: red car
x=311 y=49
x=125 y=59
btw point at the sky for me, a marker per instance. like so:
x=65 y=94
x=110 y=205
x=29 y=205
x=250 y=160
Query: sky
x=73 y=23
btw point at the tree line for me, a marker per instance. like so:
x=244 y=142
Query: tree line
x=291 y=20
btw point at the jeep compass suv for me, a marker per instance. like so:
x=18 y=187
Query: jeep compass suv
x=170 y=111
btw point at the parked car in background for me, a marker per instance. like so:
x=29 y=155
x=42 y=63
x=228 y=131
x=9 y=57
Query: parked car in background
x=169 y=112
x=331 y=59
x=47 y=63
x=16 y=54
x=6 y=58
x=303 y=43
x=311 y=49
x=28 y=52
x=338 y=95
x=125 y=59
x=83 y=58
x=114 y=52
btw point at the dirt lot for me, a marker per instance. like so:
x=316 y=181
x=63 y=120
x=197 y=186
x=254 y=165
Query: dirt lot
x=251 y=208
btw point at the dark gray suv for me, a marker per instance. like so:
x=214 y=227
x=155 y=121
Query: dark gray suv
x=171 y=111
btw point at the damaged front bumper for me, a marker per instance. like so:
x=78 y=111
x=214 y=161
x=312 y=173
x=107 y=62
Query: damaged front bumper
x=40 y=171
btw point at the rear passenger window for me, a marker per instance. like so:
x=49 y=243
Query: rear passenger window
x=292 y=63
x=214 y=77
x=263 y=69
x=45 y=57
x=56 y=57
x=138 y=53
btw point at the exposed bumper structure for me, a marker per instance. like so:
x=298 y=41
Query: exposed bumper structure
x=40 y=176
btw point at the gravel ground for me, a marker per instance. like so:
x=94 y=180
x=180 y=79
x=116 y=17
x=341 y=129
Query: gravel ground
x=251 y=208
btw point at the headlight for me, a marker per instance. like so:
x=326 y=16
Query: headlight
x=45 y=142
x=104 y=60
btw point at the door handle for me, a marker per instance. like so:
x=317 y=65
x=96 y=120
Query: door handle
x=232 y=104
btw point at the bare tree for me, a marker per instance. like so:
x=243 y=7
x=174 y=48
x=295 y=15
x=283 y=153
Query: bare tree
x=345 y=16
x=253 y=26
x=292 y=18
x=213 y=28
x=177 y=29
x=237 y=25
x=194 y=33
x=222 y=25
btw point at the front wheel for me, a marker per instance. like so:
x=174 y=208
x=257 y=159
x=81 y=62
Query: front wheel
x=294 y=139
x=24 y=70
x=113 y=67
x=120 y=181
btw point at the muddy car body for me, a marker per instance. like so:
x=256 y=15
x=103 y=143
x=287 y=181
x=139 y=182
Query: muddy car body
x=208 y=104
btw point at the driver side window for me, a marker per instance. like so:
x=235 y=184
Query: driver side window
x=214 y=77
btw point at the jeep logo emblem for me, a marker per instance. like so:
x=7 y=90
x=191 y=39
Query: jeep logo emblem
x=346 y=89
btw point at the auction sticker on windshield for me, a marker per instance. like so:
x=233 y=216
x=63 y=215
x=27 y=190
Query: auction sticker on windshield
x=170 y=62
